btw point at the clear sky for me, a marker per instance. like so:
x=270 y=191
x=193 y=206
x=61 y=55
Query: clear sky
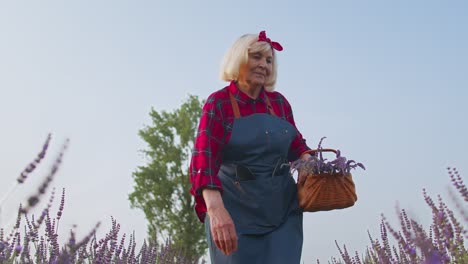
x=385 y=81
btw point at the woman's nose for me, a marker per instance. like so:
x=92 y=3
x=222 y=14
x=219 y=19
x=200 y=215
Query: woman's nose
x=262 y=63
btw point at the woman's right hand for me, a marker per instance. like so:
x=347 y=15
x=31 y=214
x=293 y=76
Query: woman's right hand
x=223 y=231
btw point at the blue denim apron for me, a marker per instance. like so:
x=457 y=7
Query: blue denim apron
x=259 y=192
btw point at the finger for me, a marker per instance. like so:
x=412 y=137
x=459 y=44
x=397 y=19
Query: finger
x=215 y=236
x=233 y=239
x=221 y=243
x=303 y=177
x=224 y=244
x=227 y=242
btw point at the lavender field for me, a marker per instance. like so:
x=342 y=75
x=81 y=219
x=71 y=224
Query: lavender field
x=34 y=238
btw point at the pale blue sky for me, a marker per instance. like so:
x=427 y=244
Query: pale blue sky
x=385 y=81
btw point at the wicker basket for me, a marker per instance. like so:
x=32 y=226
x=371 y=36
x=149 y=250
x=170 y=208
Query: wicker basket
x=324 y=192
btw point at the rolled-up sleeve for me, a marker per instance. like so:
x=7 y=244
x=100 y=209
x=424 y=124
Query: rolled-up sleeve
x=298 y=145
x=206 y=154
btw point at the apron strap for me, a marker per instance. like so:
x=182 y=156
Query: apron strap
x=272 y=112
x=235 y=106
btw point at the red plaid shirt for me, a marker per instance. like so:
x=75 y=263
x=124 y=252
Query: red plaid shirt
x=215 y=129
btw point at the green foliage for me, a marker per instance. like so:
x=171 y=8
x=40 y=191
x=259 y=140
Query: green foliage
x=162 y=186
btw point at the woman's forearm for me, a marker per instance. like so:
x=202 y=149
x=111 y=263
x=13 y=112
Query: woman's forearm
x=213 y=199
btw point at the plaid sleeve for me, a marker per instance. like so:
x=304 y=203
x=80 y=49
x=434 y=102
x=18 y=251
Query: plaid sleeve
x=298 y=146
x=206 y=155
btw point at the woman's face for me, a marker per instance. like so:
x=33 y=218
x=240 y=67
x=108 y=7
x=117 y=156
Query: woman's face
x=257 y=70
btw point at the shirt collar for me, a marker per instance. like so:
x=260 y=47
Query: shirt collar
x=242 y=96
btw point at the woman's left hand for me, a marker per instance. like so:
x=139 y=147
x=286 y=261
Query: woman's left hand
x=302 y=176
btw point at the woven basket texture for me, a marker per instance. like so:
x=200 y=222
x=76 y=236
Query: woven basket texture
x=325 y=192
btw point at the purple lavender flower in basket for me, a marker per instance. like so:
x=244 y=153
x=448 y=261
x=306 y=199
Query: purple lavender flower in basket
x=316 y=164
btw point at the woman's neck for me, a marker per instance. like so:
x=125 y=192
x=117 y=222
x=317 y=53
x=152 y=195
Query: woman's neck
x=251 y=91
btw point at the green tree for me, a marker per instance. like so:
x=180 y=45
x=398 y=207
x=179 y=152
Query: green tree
x=162 y=186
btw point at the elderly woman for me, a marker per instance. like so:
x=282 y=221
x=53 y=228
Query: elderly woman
x=239 y=169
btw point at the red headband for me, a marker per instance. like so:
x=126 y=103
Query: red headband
x=273 y=44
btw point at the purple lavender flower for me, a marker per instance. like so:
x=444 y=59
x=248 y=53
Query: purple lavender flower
x=46 y=249
x=434 y=258
x=316 y=164
x=62 y=204
x=410 y=249
x=442 y=243
x=18 y=249
x=30 y=168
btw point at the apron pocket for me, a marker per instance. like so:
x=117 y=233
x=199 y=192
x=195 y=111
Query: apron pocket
x=264 y=202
